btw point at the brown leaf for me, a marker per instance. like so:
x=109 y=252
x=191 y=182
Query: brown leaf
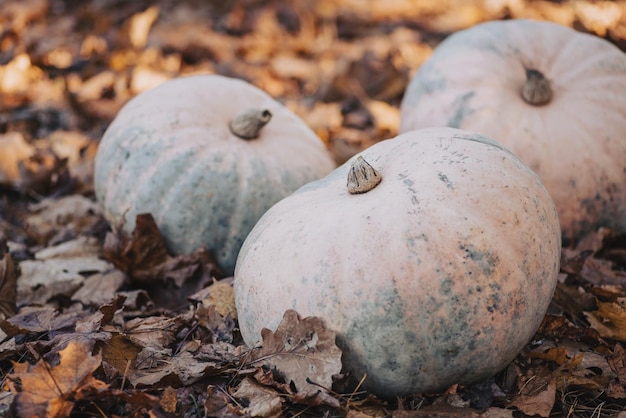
x=168 y=400
x=144 y=256
x=537 y=393
x=43 y=280
x=262 y=401
x=559 y=327
x=218 y=404
x=303 y=350
x=119 y=351
x=8 y=287
x=609 y=319
x=447 y=411
x=102 y=317
x=46 y=391
x=67 y=216
x=556 y=354
x=176 y=370
x=617 y=362
x=100 y=288
x=572 y=261
x=222 y=296
x=38 y=319
x=153 y=331
x=599 y=271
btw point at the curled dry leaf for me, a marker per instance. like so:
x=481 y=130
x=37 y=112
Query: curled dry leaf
x=303 y=350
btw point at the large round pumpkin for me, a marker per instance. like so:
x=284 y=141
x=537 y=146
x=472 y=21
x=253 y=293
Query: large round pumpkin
x=433 y=255
x=554 y=96
x=194 y=153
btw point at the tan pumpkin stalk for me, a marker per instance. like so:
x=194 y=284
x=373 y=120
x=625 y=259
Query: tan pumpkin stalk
x=536 y=90
x=248 y=123
x=362 y=177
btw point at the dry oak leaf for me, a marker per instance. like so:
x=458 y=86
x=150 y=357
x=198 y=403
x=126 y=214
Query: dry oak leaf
x=47 y=391
x=303 y=350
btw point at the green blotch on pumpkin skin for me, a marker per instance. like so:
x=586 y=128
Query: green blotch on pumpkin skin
x=445 y=180
x=462 y=110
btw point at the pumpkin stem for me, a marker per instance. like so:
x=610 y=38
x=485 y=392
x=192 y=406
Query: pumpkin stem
x=247 y=124
x=362 y=177
x=536 y=90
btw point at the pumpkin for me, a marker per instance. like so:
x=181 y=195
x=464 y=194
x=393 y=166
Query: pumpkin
x=202 y=156
x=433 y=256
x=554 y=96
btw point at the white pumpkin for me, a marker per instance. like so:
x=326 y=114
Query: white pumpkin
x=439 y=274
x=554 y=96
x=171 y=152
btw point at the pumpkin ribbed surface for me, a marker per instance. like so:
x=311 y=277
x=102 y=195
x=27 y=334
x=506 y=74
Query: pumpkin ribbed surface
x=437 y=274
x=574 y=136
x=170 y=152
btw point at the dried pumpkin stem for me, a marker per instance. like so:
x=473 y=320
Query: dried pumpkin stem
x=362 y=177
x=536 y=90
x=248 y=123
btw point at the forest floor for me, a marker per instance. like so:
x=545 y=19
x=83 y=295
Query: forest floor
x=97 y=323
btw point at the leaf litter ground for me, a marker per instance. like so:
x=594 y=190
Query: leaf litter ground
x=94 y=322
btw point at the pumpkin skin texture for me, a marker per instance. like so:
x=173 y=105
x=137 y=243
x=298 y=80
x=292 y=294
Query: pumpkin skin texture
x=576 y=142
x=438 y=275
x=170 y=152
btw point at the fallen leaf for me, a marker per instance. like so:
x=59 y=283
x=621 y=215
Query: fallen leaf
x=104 y=316
x=81 y=247
x=169 y=400
x=302 y=350
x=221 y=295
x=13 y=149
x=30 y=319
x=8 y=287
x=43 y=280
x=537 y=393
x=446 y=411
x=175 y=370
x=262 y=401
x=599 y=271
x=556 y=354
x=71 y=215
x=144 y=256
x=617 y=362
x=120 y=352
x=44 y=390
x=609 y=319
x=153 y=331
x=219 y=404
x=220 y=327
x=99 y=288
x=140 y=25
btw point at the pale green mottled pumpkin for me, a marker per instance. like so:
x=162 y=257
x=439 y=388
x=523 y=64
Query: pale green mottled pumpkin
x=170 y=152
x=439 y=274
x=554 y=96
